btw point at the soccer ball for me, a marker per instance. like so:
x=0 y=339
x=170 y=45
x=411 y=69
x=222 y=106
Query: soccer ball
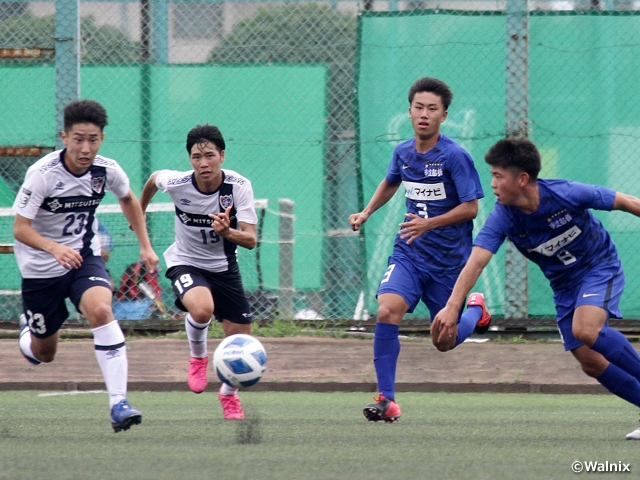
x=240 y=360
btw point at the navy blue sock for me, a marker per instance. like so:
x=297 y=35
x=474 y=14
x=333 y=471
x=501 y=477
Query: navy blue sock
x=620 y=383
x=467 y=323
x=615 y=347
x=386 y=348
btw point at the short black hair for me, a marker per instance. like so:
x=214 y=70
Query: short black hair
x=205 y=133
x=84 y=111
x=432 y=85
x=518 y=153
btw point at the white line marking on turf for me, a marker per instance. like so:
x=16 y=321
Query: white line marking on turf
x=72 y=392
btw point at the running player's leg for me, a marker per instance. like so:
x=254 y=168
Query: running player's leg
x=597 y=300
x=234 y=314
x=91 y=294
x=44 y=313
x=193 y=295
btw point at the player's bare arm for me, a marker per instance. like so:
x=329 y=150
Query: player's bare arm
x=446 y=319
x=245 y=235
x=133 y=213
x=25 y=233
x=417 y=225
x=380 y=197
x=627 y=203
x=148 y=192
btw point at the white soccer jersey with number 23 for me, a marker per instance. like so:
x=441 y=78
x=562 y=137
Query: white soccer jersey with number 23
x=62 y=207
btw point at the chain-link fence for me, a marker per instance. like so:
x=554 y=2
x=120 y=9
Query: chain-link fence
x=311 y=99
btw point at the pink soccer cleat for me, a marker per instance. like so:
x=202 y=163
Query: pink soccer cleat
x=197 y=377
x=477 y=300
x=231 y=406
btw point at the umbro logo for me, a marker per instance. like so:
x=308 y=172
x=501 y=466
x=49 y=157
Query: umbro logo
x=185 y=201
x=60 y=186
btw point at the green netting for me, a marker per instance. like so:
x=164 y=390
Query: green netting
x=584 y=114
x=282 y=154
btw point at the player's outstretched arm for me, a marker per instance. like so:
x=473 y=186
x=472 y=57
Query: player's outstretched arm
x=148 y=191
x=132 y=211
x=447 y=318
x=25 y=233
x=380 y=197
x=627 y=203
x=244 y=235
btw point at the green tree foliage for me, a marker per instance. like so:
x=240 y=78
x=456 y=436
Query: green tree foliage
x=300 y=33
x=100 y=44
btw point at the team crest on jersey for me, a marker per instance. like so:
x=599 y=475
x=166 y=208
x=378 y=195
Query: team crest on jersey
x=24 y=199
x=226 y=201
x=97 y=183
x=54 y=205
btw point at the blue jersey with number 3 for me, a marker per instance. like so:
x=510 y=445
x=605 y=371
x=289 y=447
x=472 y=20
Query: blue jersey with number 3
x=435 y=182
x=562 y=237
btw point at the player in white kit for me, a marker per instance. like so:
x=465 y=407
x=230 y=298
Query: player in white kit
x=58 y=249
x=214 y=213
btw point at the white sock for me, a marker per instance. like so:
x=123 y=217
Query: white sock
x=197 y=334
x=227 y=390
x=112 y=358
x=25 y=344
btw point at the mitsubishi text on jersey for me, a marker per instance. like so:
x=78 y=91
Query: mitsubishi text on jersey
x=435 y=182
x=62 y=208
x=197 y=244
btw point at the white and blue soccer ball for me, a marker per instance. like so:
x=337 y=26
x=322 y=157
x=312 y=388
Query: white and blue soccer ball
x=240 y=360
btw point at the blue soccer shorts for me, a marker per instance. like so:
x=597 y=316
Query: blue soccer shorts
x=229 y=299
x=403 y=277
x=43 y=299
x=602 y=287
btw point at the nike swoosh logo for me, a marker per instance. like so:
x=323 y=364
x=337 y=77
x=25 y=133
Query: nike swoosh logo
x=404 y=167
x=585 y=295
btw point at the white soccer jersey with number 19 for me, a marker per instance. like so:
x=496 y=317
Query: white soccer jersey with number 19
x=62 y=208
x=197 y=243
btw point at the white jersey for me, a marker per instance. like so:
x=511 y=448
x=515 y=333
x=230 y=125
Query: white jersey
x=197 y=243
x=62 y=208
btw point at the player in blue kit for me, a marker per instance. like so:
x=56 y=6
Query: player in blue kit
x=549 y=222
x=442 y=188
x=59 y=253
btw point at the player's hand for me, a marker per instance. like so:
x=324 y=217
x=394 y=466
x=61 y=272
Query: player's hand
x=443 y=327
x=357 y=219
x=222 y=222
x=67 y=256
x=413 y=228
x=150 y=259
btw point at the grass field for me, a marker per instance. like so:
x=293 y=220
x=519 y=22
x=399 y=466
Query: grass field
x=315 y=436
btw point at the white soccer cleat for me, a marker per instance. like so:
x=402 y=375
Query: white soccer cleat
x=635 y=435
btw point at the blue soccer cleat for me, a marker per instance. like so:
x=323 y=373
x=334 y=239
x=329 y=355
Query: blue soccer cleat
x=124 y=415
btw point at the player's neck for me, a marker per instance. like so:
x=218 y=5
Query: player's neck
x=424 y=144
x=529 y=200
x=209 y=186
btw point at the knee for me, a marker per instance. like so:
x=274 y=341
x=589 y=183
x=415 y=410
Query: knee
x=443 y=346
x=201 y=315
x=593 y=365
x=585 y=334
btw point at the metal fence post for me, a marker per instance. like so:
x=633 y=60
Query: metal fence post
x=286 y=240
x=517 y=113
x=67 y=58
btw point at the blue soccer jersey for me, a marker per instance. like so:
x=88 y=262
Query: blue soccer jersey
x=435 y=182
x=562 y=237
